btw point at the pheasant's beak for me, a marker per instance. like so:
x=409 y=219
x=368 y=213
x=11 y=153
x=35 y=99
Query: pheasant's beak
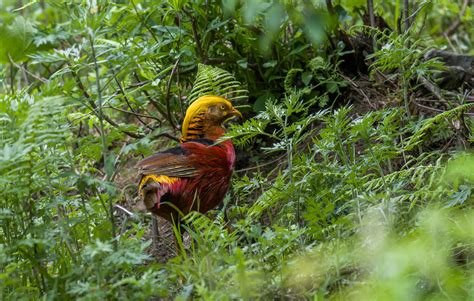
x=236 y=113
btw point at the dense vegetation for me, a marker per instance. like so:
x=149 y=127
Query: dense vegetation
x=354 y=178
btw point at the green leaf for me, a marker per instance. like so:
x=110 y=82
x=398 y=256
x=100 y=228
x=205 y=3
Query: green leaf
x=243 y=63
x=306 y=77
x=16 y=40
x=270 y=64
x=259 y=104
x=109 y=165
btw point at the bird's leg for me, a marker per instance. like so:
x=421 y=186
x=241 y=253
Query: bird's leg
x=155 y=231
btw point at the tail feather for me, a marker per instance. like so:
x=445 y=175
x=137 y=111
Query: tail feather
x=153 y=187
x=150 y=194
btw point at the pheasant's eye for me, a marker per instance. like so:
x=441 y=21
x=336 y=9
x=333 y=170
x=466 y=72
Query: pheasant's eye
x=222 y=107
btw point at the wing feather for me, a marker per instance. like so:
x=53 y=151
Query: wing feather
x=184 y=161
x=174 y=162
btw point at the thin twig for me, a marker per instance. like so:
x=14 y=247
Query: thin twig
x=167 y=97
x=430 y=100
x=125 y=210
x=450 y=43
x=432 y=88
x=360 y=91
x=263 y=164
x=438 y=110
x=167 y=135
x=451 y=29
x=117 y=161
x=414 y=14
x=128 y=102
x=94 y=107
x=150 y=99
x=144 y=22
x=132 y=113
x=41 y=79
x=197 y=39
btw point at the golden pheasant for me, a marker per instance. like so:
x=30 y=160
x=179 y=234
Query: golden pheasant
x=196 y=174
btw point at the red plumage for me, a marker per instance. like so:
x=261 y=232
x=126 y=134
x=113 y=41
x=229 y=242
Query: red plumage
x=192 y=176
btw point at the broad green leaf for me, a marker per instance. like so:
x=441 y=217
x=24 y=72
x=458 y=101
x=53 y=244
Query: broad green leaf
x=16 y=40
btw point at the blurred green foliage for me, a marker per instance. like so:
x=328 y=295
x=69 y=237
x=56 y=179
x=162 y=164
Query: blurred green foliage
x=333 y=201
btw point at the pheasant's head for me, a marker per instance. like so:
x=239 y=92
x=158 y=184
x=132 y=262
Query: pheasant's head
x=205 y=116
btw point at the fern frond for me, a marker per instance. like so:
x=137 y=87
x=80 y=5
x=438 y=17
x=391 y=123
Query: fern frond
x=208 y=230
x=216 y=81
x=43 y=126
x=290 y=78
x=428 y=123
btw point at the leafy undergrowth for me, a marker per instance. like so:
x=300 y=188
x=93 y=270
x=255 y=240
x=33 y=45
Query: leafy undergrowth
x=354 y=177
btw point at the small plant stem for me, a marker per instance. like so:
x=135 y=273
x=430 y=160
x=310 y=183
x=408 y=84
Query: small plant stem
x=199 y=49
x=102 y=136
x=405 y=90
x=406 y=17
x=144 y=23
x=289 y=150
x=167 y=97
x=370 y=7
x=12 y=79
x=384 y=183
